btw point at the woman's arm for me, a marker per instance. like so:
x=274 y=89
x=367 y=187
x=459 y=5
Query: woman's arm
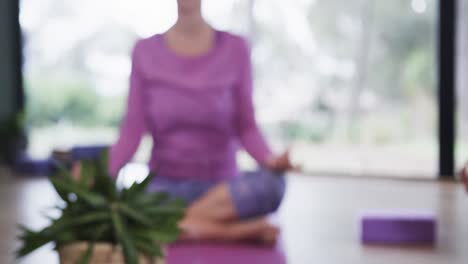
x=250 y=136
x=133 y=126
x=249 y=133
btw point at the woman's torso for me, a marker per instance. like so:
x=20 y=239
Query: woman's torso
x=190 y=108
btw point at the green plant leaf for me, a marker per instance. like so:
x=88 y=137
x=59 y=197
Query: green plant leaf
x=91 y=198
x=66 y=223
x=149 y=199
x=103 y=183
x=135 y=215
x=64 y=176
x=65 y=237
x=87 y=173
x=31 y=241
x=158 y=236
x=128 y=247
x=150 y=249
x=103 y=162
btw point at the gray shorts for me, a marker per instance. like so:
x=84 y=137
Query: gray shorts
x=254 y=194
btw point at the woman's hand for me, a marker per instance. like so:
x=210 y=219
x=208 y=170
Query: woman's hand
x=281 y=162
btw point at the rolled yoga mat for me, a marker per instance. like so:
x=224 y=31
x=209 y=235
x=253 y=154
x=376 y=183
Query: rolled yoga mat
x=24 y=164
x=87 y=152
x=398 y=227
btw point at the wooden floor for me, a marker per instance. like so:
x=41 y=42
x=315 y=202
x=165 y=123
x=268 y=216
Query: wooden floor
x=319 y=218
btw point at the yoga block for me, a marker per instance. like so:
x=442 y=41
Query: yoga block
x=398 y=228
x=87 y=152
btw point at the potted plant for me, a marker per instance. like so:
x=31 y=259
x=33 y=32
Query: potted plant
x=99 y=223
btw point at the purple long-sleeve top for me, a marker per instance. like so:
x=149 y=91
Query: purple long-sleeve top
x=198 y=110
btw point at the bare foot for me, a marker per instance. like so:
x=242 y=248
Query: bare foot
x=268 y=234
x=194 y=229
x=258 y=231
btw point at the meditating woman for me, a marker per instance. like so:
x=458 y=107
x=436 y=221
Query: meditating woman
x=191 y=89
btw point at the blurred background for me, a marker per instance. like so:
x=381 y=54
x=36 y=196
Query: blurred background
x=355 y=86
x=354 y=80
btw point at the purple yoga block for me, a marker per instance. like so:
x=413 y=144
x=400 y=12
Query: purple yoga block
x=398 y=227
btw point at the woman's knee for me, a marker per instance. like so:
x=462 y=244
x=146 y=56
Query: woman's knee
x=258 y=193
x=277 y=183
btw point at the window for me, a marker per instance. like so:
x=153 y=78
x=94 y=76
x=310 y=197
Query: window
x=352 y=83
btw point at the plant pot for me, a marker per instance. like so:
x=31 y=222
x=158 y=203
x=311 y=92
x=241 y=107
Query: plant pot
x=104 y=253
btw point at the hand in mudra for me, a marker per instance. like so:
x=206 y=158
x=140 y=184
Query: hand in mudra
x=281 y=162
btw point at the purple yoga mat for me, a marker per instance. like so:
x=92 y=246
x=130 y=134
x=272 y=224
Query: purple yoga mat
x=398 y=227
x=213 y=253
